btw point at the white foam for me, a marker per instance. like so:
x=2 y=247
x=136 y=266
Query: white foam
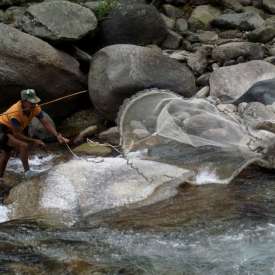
x=4 y=211
x=206 y=176
x=37 y=163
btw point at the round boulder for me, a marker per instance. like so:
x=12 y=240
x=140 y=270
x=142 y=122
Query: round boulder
x=58 y=21
x=119 y=71
x=137 y=24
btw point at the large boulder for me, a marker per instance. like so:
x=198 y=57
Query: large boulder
x=75 y=189
x=119 y=71
x=58 y=21
x=229 y=83
x=262 y=91
x=233 y=50
x=245 y=21
x=28 y=62
x=133 y=24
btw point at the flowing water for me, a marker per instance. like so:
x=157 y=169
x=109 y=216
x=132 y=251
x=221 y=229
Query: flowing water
x=200 y=229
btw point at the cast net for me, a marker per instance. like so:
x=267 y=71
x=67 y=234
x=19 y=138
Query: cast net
x=190 y=133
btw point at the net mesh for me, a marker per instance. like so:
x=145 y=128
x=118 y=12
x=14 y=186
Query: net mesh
x=190 y=133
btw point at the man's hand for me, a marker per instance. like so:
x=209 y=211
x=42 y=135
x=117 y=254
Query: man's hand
x=62 y=139
x=40 y=143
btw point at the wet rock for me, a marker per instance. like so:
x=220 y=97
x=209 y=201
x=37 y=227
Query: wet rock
x=110 y=136
x=229 y=83
x=78 y=188
x=58 y=21
x=51 y=72
x=262 y=34
x=120 y=71
x=269 y=5
x=93 y=150
x=172 y=40
x=233 y=50
x=243 y=21
x=202 y=16
x=133 y=24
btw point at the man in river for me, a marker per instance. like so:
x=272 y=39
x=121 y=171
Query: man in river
x=12 y=125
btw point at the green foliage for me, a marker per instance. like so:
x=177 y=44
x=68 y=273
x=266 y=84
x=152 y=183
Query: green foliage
x=104 y=7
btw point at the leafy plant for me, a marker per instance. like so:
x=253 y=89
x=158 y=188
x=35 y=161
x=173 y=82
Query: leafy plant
x=104 y=7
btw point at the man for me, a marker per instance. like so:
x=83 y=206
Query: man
x=12 y=124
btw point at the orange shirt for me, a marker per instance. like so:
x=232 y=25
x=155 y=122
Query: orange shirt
x=16 y=111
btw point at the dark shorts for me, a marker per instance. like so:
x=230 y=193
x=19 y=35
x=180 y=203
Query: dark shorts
x=4 y=130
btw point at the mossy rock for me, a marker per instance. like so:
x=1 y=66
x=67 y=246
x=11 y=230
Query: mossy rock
x=93 y=149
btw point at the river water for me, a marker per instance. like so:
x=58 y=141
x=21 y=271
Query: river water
x=202 y=229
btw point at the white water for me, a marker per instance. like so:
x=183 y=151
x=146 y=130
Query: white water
x=4 y=212
x=37 y=163
x=206 y=176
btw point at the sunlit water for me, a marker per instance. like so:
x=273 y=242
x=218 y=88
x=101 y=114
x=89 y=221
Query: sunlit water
x=203 y=229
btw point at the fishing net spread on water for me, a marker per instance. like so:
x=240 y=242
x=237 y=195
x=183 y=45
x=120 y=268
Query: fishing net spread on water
x=191 y=133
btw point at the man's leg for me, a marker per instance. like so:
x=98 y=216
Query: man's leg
x=21 y=147
x=4 y=157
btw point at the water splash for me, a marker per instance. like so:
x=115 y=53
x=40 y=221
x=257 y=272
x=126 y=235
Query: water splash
x=38 y=163
x=4 y=213
x=206 y=176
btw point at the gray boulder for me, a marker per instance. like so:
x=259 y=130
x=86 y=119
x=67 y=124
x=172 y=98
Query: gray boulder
x=233 y=50
x=245 y=21
x=229 y=83
x=28 y=62
x=58 y=21
x=119 y=71
x=133 y=24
